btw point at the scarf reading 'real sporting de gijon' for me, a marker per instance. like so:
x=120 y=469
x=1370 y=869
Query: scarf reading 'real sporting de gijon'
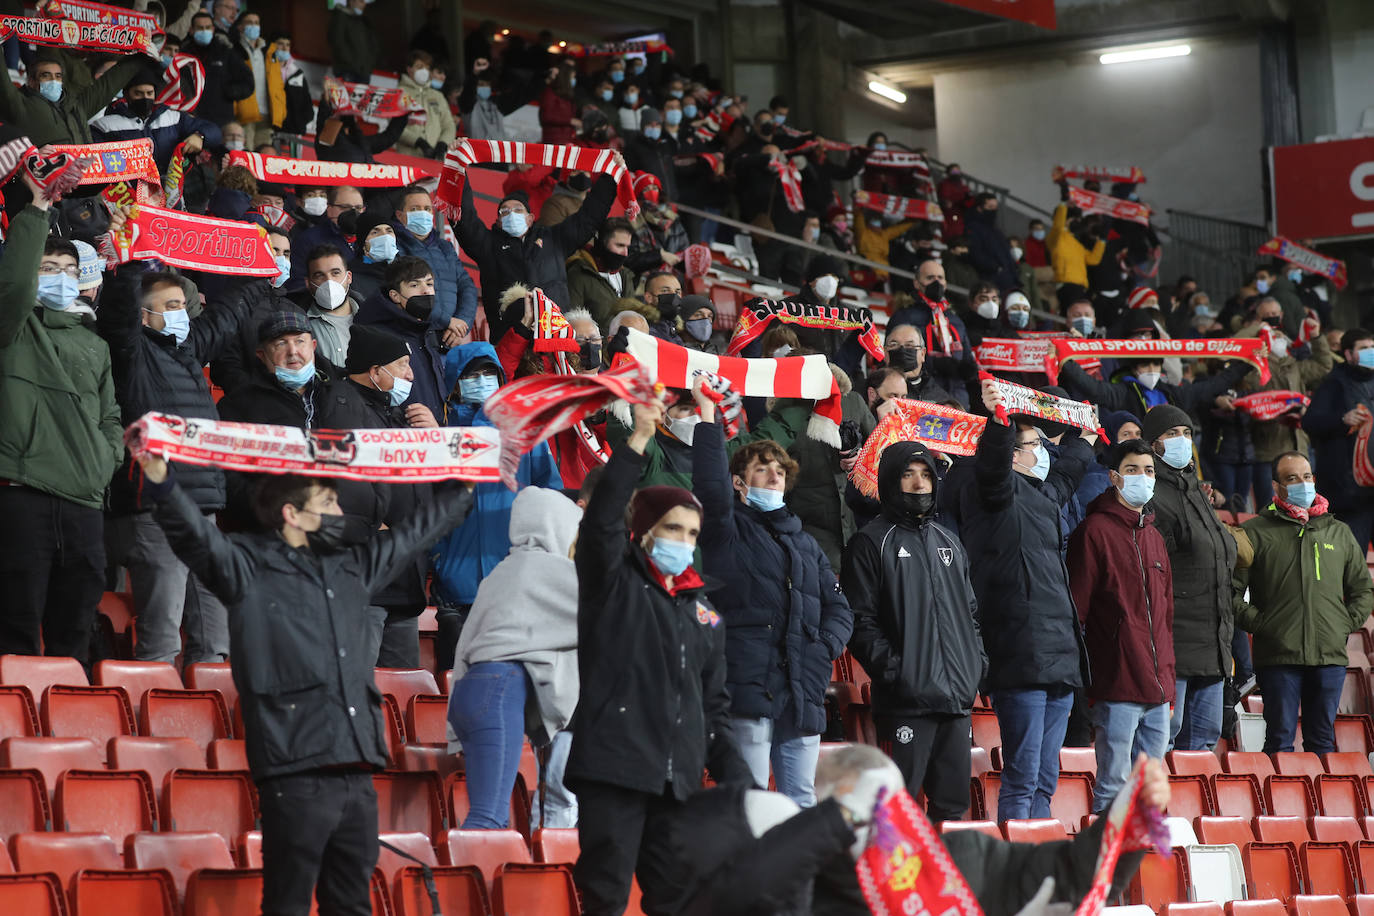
x=1076 y=348
x=757 y=314
x=217 y=246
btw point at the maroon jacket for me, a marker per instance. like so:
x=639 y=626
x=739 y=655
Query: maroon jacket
x=1122 y=584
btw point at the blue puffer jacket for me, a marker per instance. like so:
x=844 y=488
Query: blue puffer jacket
x=166 y=127
x=455 y=295
x=470 y=551
x=785 y=618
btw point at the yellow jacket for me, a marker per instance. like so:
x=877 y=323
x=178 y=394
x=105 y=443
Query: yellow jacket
x=873 y=243
x=1068 y=257
x=246 y=110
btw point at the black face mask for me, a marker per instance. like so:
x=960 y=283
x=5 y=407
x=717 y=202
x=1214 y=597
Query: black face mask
x=590 y=354
x=766 y=129
x=141 y=108
x=918 y=505
x=1275 y=322
x=609 y=260
x=348 y=222
x=668 y=305
x=420 y=307
x=934 y=291
x=334 y=535
x=903 y=359
x=580 y=182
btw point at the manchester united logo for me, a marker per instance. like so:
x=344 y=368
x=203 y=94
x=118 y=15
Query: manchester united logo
x=905 y=734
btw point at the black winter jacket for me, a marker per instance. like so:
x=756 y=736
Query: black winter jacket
x=1128 y=394
x=1203 y=556
x=915 y=614
x=653 y=709
x=535 y=259
x=152 y=373
x=1010 y=523
x=1332 y=441
x=298 y=630
x=227 y=79
x=785 y=619
x=238 y=364
x=426 y=360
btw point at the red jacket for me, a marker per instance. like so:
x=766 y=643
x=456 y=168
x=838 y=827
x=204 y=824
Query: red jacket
x=1122 y=584
x=1037 y=255
x=555 y=116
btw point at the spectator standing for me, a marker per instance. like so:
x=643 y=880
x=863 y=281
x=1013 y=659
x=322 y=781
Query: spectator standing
x=432 y=138
x=46 y=112
x=1309 y=589
x=1122 y=586
x=373 y=253
x=1331 y=420
x=227 y=77
x=265 y=299
x=556 y=109
x=455 y=295
x=598 y=278
x=1202 y=559
x=329 y=301
x=916 y=630
x=402 y=306
x=288 y=91
x=354 y=45
x=484 y=108
x=332 y=225
x=942 y=331
x=255 y=111
x=988 y=248
x=62 y=439
x=139 y=116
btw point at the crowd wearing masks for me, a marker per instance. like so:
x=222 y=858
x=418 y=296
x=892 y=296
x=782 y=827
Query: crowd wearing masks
x=1120 y=586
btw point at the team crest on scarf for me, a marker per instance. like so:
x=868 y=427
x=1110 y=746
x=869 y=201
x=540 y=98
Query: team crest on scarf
x=706 y=616
x=946 y=555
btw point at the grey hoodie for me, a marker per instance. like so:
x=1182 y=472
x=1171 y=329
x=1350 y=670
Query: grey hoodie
x=526 y=610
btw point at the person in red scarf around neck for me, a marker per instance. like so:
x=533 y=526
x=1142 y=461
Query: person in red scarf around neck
x=1309 y=589
x=950 y=360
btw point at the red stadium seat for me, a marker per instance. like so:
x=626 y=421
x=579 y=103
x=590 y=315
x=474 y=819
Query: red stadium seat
x=429 y=758
x=1192 y=763
x=124 y=893
x=1256 y=908
x=427 y=720
x=989 y=788
x=200 y=715
x=1078 y=760
x=99 y=713
x=1354 y=734
x=1291 y=795
x=219 y=801
x=1206 y=908
x=1346 y=763
x=462 y=891
x=137 y=677
x=50 y=756
x=487 y=849
x=228 y=754
x=980 y=762
x=1328 y=867
x=1364 y=861
x=1319 y=905
x=1362 y=904
x=1218 y=831
x=1034 y=830
x=393 y=723
x=224 y=892
x=181 y=854
x=1248 y=762
x=1341 y=796
x=39 y=672
x=1336 y=830
x=18 y=713
x=32 y=895
x=113 y=802
x=24 y=805
x=213 y=676
x=1190 y=797
x=560 y=847
x=64 y=854
x=1272 y=870
x=249 y=849
x=1298 y=763
x=534 y=890
x=404 y=683
x=157 y=756
x=416 y=845
x=410 y=803
x=988 y=827
x=1072 y=800
x=1237 y=795
x=1282 y=829
x=987 y=734
x=1355 y=695
x=1160 y=880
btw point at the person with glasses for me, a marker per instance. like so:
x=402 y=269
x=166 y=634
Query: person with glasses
x=60 y=441
x=906 y=352
x=328 y=221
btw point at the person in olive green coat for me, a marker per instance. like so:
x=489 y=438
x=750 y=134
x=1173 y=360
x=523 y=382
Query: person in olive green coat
x=1309 y=590
x=46 y=111
x=60 y=441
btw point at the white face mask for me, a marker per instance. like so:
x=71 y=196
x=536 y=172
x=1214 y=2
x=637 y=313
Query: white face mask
x=988 y=309
x=314 y=206
x=1148 y=379
x=1279 y=346
x=330 y=294
x=1016 y=253
x=684 y=428
x=826 y=287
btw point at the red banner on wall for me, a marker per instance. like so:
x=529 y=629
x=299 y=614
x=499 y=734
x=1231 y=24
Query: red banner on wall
x=1035 y=12
x=1322 y=190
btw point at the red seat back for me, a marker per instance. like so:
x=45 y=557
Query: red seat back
x=1190 y=797
x=987 y=734
x=32 y=895
x=224 y=892
x=1218 y=831
x=487 y=849
x=1336 y=830
x=200 y=715
x=462 y=892
x=1298 y=763
x=125 y=893
x=1192 y=763
x=24 y=805
x=1256 y=908
x=156 y=756
x=1291 y=795
x=137 y=677
x=534 y=890
x=213 y=676
x=18 y=712
x=988 y=827
x=1034 y=831
x=560 y=846
x=404 y=683
x=416 y=845
x=39 y=672
x=410 y=803
x=1348 y=763
x=99 y=713
x=427 y=720
x=1248 y=762
x=64 y=854
x=1282 y=829
x=1319 y=905
x=180 y=854
x=228 y=754
x=1328 y=868
x=1072 y=800
x=113 y=802
x=1237 y=795
x=1272 y=870
x=219 y=801
x=51 y=756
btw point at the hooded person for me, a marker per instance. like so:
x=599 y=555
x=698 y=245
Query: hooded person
x=916 y=630
x=468 y=554
x=515 y=668
x=374 y=250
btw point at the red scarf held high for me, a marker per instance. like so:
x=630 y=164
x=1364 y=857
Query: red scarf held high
x=942 y=338
x=790 y=177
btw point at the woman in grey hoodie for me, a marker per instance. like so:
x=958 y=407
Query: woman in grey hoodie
x=516 y=664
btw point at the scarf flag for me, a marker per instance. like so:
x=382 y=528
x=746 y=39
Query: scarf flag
x=1309 y=260
x=942 y=337
x=1270 y=405
x=174 y=95
x=207 y=243
x=1128 y=826
x=906 y=869
x=365 y=101
x=756 y=314
x=413 y=455
x=467 y=152
x=1008 y=355
x=78 y=36
x=1131 y=175
x=617 y=48
x=553 y=334
x=100 y=13
x=939 y=428
x=696 y=258
x=1131 y=210
x=1080 y=348
x=532 y=409
x=789 y=377
x=122 y=160
x=317 y=172
x=895 y=159
x=900 y=207
x=791 y=179
x=1018 y=399
x=1363 y=462
x=174 y=182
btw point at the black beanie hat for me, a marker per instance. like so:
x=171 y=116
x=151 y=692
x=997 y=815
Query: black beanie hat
x=515 y=195
x=1161 y=418
x=368 y=221
x=369 y=346
x=824 y=264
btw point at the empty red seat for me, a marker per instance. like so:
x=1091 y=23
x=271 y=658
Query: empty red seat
x=404 y=683
x=1336 y=830
x=99 y=713
x=487 y=849
x=1033 y=830
x=988 y=827
x=987 y=734
x=64 y=854
x=427 y=720
x=416 y=845
x=1291 y=795
x=1194 y=909
x=1298 y=763
x=986 y=790
x=1319 y=905
x=534 y=890
x=1190 y=797
x=1354 y=734
x=39 y=672
x=559 y=846
x=18 y=712
x=1218 y=831
x=119 y=892
x=1282 y=829
x=461 y=888
x=156 y=756
x=50 y=756
x=224 y=892
x=1078 y=760
x=1355 y=695
x=1272 y=870
x=1328 y=867
x=200 y=715
x=1256 y=908
x=249 y=849
x=213 y=676
x=180 y=854
x=113 y=802
x=1346 y=763
x=430 y=758
x=24 y=805
x=1072 y=800
x=1192 y=763
x=1340 y=796
x=32 y=895
x=1237 y=795
x=410 y=803
x=393 y=723
x=1248 y=762
x=137 y=677
x=210 y=800
x=1159 y=881
x=228 y=754
x=1362 y=904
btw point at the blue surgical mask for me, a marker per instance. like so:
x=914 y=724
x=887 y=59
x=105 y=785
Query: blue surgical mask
x=476 y=390
x=1038 y=234
x=1137 y=489
x=653 y=133
x=764 y=500
x=483 y=92
x=1262 y=286
x=671 y=557
x=283 y=271
x=1365 y=358
x=59 y=291
x=167 y=60
x=631 y=99
x=1018 y=319
x=513 y=224
x=382 y=248
x=282 y=56
x=51 y=90
x=439 y=84
x=1178 y=452
x=779 y=120
x=177 y=325
x=879 y=146
x=400 y=390
x=1083 y=325
x=689 y=111
x=675 y=93
x=1042 y=462
x=1295 y=275
x=606 y=94
x=203 y=36
x=617 y=76
x=1302 y=494
x=420 y=222
x=252 y=32
x=295 y=378
x=673 y=116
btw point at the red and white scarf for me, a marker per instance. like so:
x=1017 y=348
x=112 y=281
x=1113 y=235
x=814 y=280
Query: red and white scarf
x=1018 y=399
x=939 y=428
x=906 y=869
x=552 y=333
x=1129 y=825
x=897 y=159
x=1270 y=405
x=790 y=377
x=617 y=48
x=1080 y=348
x=791 y=179
x=900 y=207
x=410 y=455
x=98 y=13
x=206 y=243
x=1010 y=355
x=1307 y=259
x=942 y=338
x=1131 y=175
x=365 y=101
x=174 y=95
x=758 y=314
x=78 y=36
x=122 y=160
x=321 y=173
x=1089 y=202
x=468 y=152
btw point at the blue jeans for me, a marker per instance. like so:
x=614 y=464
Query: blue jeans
x=792 y=754
x=1033 y=722
x=560 y=805
x=1316 y=690
x=487 y=713
x=1240 y=479
x=1196 y=724
x=1124 y=732
x=1240 y=654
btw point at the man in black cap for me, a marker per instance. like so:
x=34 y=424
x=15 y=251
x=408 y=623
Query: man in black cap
x=139 y=116
x=373 y=253
x=375 y=394
x=238 y=364
x=515 y=250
